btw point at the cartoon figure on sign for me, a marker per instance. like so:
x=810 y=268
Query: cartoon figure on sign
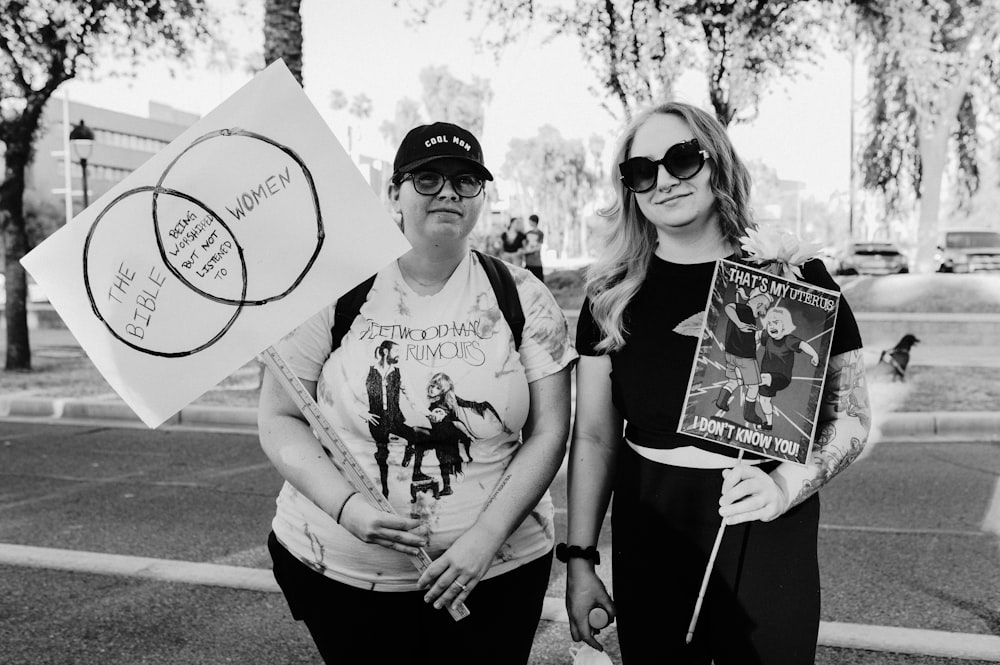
x=780 y=346
x=384 y=416
x=741 y=353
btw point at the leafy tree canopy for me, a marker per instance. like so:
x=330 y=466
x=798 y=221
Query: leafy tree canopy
x=556 y=178
x=933 y=78
x=639 y=48
x=444 y=98
x=44 y=43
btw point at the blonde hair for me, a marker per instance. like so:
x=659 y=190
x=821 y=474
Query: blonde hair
x=619 y=271
x=782 y=316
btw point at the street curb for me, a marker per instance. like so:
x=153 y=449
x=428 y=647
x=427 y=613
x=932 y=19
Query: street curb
x=938 y=425
x=904 y=426
x=918 y=641
x=115 y=411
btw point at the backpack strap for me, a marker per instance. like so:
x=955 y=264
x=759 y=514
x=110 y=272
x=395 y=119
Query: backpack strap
x=347 y=309
x=349 y=305
x=505 y=290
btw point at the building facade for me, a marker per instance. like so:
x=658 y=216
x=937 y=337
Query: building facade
x=122 y=143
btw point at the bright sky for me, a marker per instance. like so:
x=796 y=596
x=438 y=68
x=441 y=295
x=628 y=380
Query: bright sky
x=366 y=46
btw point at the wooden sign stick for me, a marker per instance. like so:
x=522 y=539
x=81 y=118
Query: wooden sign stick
x=708 y=573
x=342 y=457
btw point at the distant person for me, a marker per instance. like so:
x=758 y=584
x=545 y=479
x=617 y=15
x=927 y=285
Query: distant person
x=512 y=243
x=491 y=242
x=533 y=239
x=487 y=522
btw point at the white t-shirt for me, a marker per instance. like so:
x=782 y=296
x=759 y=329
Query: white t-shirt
x=418 y=387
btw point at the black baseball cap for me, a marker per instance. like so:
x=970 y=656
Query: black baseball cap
x=439 y=140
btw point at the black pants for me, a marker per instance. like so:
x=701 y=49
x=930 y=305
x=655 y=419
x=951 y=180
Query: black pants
x=351 y=625
x=763 y=599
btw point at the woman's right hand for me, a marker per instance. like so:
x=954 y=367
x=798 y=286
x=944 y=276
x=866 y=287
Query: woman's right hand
x=584 y=592
x=371 y=525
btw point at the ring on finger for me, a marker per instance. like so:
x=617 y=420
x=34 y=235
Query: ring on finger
x=459 y=585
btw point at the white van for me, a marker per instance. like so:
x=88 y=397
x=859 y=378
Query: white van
x=968 y=250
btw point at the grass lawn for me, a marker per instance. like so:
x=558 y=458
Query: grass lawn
x=926 y=388
x=937 y=389
x=952 y=294
x=972 y=294
x=66 y=372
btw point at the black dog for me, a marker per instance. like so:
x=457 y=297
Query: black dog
x=898 y=357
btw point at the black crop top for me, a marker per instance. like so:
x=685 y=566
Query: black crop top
x=649 y=375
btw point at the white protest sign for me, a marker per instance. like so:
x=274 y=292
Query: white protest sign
x=244 y=226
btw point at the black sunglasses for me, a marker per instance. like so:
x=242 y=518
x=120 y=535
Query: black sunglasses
x=430 y=183
x=682 y=160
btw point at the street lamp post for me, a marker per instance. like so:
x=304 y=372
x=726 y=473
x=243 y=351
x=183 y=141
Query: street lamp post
x=82 y=139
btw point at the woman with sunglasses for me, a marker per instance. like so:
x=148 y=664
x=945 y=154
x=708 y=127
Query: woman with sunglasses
x=341 y=563
x=682 y=203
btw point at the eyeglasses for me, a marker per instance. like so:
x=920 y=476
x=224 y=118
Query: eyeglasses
x=430 y=183
x=682 y=160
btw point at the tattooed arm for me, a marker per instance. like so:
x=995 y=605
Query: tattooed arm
x=844 y=422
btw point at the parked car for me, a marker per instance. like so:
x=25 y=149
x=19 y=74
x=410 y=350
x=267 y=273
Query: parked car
x=968 y=250
x=830 y=257
x=871 y=258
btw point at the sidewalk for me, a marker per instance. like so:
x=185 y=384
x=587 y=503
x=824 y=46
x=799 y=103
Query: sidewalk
x=981 y=425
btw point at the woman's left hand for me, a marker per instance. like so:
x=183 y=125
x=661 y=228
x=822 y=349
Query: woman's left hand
x=750 y=494
x=452 y=576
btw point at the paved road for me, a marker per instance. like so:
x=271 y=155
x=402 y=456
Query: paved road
x=909 y=539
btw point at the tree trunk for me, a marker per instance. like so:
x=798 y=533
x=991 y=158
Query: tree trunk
x=934 y=136
x=933 y=154
x=16 y=244
x=283 y=34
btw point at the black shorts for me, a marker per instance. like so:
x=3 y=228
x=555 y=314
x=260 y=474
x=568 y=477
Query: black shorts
x=778 y=382
x=352 y=625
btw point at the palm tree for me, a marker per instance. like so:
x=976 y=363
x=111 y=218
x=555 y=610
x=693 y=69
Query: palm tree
x=283 y=34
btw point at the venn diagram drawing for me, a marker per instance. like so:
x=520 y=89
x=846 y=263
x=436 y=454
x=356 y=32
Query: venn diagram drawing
x=234 y=221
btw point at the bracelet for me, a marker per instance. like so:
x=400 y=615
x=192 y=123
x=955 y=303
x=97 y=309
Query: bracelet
x=566 y=552
x=342 y=506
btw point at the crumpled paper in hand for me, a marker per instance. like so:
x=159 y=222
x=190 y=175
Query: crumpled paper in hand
x=584 y=654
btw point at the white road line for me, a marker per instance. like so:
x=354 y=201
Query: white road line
x=164 y=570
x=896 y=531
x=81 y=485
x=991 y=523
x=939 y=643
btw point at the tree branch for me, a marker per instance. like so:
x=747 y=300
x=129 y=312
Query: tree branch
x=16 y=68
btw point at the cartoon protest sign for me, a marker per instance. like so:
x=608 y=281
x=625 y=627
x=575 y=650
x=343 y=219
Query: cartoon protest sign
x=248 y=223
x=757 y=379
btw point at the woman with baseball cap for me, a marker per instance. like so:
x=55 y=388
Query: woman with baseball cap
x=466 y=469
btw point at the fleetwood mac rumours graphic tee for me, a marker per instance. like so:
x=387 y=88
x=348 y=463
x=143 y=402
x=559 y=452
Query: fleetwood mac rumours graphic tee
x=430 y=395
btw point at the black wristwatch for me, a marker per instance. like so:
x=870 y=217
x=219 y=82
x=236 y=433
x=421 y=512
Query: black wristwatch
x=566 y=552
